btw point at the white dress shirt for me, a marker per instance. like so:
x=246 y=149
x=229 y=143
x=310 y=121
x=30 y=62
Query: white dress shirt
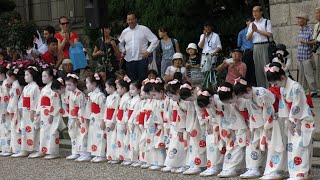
x=211 y=43
x=134 y=42
x=261 y=25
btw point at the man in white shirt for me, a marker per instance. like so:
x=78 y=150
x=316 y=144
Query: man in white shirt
x=260 y=33
x=209 y=43
x=134 y=43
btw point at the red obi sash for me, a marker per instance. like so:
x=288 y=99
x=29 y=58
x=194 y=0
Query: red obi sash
x=205 y=113
x=245 y=114
x=120 y=114
x=141 y=117
x=95 y=108
x=219 y=113
x=26 y=102
x=130 y=113
x=174 y=115
x=148 y=113
x=110 y=112
x=45 y=101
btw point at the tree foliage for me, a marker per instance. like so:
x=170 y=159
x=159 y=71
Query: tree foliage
x=185 y=18
x=14 y=32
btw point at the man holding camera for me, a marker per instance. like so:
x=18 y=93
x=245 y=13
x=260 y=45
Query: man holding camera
x=209 y=43
x=305 y=41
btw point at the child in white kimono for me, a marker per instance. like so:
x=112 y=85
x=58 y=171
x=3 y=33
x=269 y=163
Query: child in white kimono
x=122 y=120
x=29 y=121
x=293 y=106
x=177 y=151
x=5 y=121
x=276 y=166
x=233 y=131
x=15 y=77
x=196 y=157
x=260 y=109
x=97 y=138
x=78 y=125
x=111 y=110
x=154 y=126
x=49 y=113
x=133 y=124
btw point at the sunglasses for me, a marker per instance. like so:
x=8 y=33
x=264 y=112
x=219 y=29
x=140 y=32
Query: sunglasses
x=64 y=23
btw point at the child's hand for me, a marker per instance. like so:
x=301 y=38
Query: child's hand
x=112 y=126
x=50 y=120
x=180 y=135
x=103 y=125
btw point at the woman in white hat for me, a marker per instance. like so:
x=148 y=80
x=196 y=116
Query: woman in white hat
x=177 y=66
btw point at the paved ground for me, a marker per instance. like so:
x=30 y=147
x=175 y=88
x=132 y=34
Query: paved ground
x=24 y=168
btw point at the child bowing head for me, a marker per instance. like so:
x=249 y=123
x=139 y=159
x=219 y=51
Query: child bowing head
x=205 y=98
x=95 y=81
x=242 y=88
x=173 y=90
x=226 y=94
x=122 y=85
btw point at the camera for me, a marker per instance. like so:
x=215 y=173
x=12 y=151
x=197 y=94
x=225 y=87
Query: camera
x=315 y=47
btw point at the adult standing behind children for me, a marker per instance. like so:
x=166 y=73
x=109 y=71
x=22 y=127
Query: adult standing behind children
x=167 y=46
x=134 y=43
x=65 y=37
x=260 y=32
x=209 y=43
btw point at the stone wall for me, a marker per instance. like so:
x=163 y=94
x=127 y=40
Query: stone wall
x=284 y=23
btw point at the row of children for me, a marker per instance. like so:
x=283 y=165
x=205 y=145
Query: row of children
x=173 y=127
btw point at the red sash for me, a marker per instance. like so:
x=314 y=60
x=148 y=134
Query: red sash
x=95 y=108
x=205 y=113
x=219 y=113
x=130 y=113
x=245 y=114
x=148 y=113
x=162 y=115
x=120 y=114
x=110 y=113
x=26 y=102
x=141 y=117
x=45 y=101
x=174 y=115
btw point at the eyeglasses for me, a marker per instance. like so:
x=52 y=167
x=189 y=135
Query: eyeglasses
x=64 y=23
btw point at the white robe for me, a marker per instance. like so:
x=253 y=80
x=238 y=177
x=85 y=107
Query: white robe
x=30 y=140
x=133 y=129
x=14 y=114
x=122 y=120
x=293 y=106
x=50 y=105
x=97 y=138
x=77 y=124
x=110 y=115
x=5 y=124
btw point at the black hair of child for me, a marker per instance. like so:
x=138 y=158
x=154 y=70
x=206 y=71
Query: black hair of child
x=3 y=70
x=158 y=87
x=148 y=87
x=19 y=76
x=240 y=89
x=226 y=95
x=57 y=85
x=99 y=83
x=50 y=72
x=152 y=71
x=204 y=101
x=52 y=40
x=185 y=93
x=111 y=82
x=136 y=84
x=178 y=75
x=124 y=84
x=73 y=80
x=173 y=88
x=275 y=76
x=36 y=76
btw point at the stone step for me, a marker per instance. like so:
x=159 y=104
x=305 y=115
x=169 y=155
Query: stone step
x=65 y=143
x=316 y=149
